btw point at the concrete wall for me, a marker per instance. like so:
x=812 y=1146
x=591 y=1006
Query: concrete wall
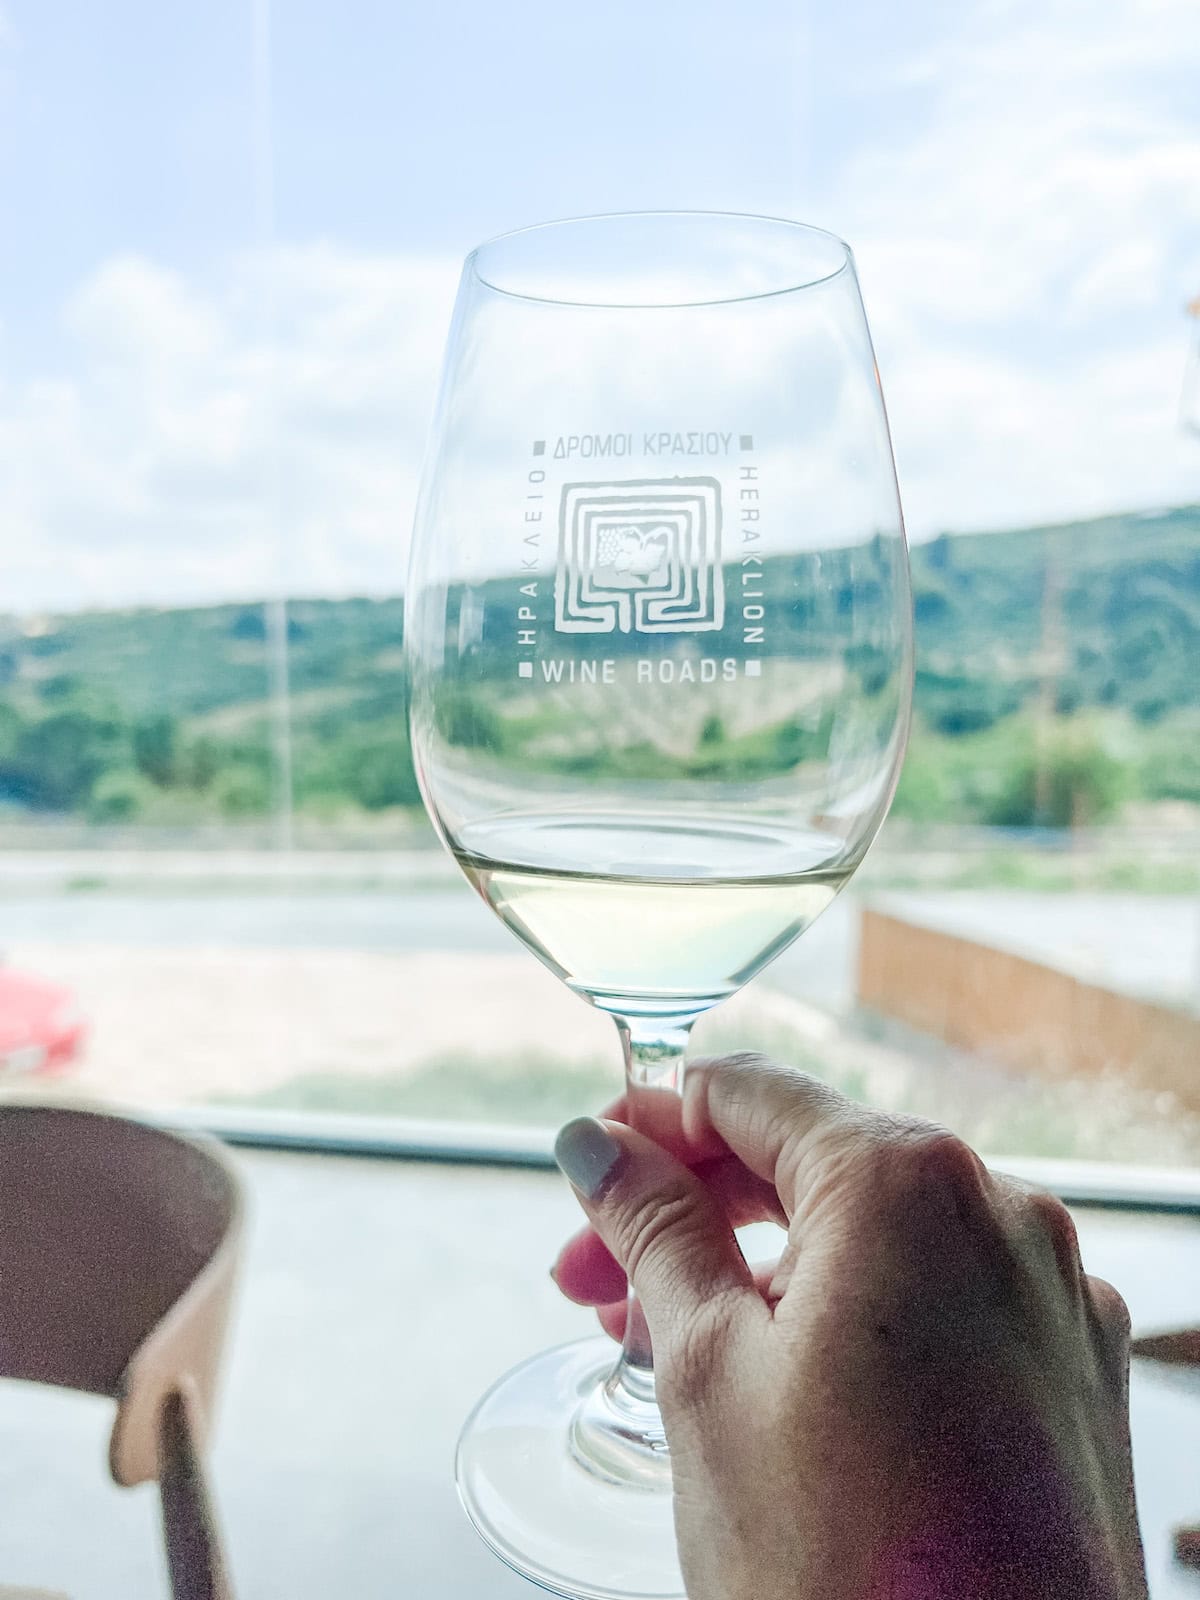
x=1022 y=1013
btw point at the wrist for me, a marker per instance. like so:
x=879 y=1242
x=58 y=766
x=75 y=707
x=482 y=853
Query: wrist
x=940 y=1567
x=1029 y=1531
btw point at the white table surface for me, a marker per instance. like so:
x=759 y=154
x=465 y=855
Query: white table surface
x=380 y=1297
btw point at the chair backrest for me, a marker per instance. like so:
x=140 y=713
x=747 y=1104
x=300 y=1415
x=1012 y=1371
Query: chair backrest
x=118 y=1246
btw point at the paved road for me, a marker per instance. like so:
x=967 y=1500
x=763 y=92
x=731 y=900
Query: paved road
x=1145 y=944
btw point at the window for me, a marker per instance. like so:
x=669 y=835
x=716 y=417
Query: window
x=233 y=246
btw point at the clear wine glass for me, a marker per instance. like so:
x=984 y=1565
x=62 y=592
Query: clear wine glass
x=659 y=632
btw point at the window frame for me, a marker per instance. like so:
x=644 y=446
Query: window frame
x=1101 y=1184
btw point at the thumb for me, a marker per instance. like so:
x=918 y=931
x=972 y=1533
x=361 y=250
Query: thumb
x=664 y=1227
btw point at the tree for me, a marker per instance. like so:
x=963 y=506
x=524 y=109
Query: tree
x=383 y=775
x=242 y=791
x=118 y=796
x=925 y=791
x=464 y=719
x=200 y=762
x=155 y=741
x=57 y=759
x=1086 y=783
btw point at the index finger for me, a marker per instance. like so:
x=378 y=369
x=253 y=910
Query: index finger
x=658 y=1113
x=770 y=1116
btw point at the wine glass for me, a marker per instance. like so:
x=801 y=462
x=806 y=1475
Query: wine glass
x=659 y=633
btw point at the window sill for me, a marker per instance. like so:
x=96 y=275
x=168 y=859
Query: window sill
x=1091 y=1183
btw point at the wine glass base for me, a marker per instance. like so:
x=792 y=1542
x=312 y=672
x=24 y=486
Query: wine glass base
x=572 y=1530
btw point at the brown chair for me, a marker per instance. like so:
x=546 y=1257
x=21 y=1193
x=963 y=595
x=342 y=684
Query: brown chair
x=118 y=1246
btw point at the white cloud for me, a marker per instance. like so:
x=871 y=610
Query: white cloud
x=1128 y=276
x=983 y=444
x=1025 y=255
x=1026 y=241
x=302 y=382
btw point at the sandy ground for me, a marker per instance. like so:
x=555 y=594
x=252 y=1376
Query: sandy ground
x=170 y=1026
x=180 y=1025
x=218 y=1024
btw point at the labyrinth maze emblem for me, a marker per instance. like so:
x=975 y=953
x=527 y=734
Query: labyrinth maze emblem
x=640 y=557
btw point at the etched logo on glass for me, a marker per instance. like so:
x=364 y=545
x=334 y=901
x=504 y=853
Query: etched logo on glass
x=640 y=557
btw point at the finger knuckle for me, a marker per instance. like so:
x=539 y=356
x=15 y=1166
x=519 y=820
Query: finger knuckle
x=689 y=1365
x=1052 y=1219
x=800 y=1114
x=747 y=1082
x=732 y=1085
x=1109 y=1305
x=653 y=1226
x=930 y=1162
x=742 y=1061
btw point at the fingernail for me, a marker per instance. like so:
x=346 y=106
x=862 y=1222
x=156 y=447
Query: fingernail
x=587 y=1154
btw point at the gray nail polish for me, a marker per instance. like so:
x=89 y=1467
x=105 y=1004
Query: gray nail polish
x=587 y=1154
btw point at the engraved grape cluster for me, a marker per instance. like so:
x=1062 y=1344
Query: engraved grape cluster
x=607 y=546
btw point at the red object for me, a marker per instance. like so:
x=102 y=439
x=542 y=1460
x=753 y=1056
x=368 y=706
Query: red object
x=41 y=1029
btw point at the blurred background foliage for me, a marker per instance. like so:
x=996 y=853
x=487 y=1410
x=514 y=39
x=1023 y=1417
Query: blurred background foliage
x=1056 y=685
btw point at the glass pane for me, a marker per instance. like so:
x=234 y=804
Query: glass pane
x=226 y=288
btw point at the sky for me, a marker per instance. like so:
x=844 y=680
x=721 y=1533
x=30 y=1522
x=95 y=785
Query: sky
x=232 y=235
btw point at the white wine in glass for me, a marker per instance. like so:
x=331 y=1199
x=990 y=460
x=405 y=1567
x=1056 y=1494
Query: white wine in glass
x=684 y=914
x=659 y=634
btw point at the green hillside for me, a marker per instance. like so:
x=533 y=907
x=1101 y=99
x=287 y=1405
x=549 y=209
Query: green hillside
x=1127 y=591
x=163 y=715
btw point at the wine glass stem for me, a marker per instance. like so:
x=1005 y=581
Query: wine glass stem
x=617 y=1431
x=654 y=1064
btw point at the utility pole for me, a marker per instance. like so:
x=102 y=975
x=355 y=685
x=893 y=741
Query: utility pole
x=1189 y=399
x=281 y=721
x=1189 y=421
x=275 y=609
x=1052 y=656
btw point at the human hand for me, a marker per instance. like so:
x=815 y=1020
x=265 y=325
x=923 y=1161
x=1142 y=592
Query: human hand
x=925 y=1396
